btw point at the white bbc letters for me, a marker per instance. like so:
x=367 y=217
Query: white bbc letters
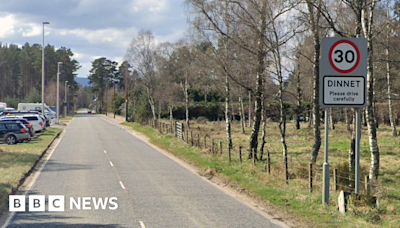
x=16 y=203
x=37 y=203
x=56 y=203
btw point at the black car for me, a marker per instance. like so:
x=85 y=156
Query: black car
x=22 y=120
x=12 y=132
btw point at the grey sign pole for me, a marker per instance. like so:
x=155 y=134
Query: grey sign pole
x=357 y=150
x=325 y=168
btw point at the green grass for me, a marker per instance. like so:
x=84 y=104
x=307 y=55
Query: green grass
x=294 y=201
x=17 y=160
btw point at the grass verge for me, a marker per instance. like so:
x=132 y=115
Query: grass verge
x=17 y=160
x=293 y=202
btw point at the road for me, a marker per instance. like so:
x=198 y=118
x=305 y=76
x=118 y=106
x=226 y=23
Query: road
x=96 y=158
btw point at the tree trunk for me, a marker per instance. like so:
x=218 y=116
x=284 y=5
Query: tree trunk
x=187 y=102
x=367 y=19
x=299 y=108
x=241 y=113
x=389 y=83
x=227 y=113
x=263 y=119
x=152 y=105
x=331 y=120
x=314 y=22
x=227 y=89
x=346 y=116
x=159 y=111
x=250 y=104
x=261 y=53
x=171 y=117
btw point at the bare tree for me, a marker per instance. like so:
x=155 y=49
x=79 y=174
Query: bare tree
x=141 y=56
x=314 y=21
x=388 y=75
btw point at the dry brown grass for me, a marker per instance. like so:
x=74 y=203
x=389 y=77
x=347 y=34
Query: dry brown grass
x=299 y=143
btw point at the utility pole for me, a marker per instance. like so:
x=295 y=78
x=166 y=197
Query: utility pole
x=126 y=89
x=114 y=97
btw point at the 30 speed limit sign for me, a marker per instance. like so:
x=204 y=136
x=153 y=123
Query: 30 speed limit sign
x=344 y=56
x=343 y=72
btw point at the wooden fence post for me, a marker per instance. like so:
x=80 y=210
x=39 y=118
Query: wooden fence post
x=198 y=141
x=212 y=147
x=335 y=178
x=240 y=154
x=253 y=152
x=310 y=177
x=268 y=162
x=229 y=152
x=205 y=142
x=220 y=147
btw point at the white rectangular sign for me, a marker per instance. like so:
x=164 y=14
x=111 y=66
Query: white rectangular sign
x=343 y=90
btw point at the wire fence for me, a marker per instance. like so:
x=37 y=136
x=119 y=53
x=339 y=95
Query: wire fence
x=312 y=176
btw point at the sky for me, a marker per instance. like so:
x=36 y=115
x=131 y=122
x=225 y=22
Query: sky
x=90 y=28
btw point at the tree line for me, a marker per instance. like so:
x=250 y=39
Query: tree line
x=259 y=57
x=21 y=73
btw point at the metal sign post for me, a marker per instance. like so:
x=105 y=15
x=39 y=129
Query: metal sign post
x=343 y=84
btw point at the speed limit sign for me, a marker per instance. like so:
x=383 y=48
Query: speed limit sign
x=344 y=56
x=343 y=72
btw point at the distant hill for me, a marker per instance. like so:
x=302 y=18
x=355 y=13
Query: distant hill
x=84 y=82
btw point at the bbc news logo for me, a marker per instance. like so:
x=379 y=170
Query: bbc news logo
x=57 y=203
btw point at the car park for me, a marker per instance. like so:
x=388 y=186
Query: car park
x=22 y=120
x=12 y=132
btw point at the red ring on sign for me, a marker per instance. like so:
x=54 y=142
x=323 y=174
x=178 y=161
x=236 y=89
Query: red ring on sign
x=358 y=56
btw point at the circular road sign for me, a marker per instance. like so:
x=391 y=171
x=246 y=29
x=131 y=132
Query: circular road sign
x=344 y=56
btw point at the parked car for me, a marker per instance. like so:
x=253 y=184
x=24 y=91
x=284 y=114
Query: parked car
x=13 y=132
x=48 y=113
x=36 y=124
x=22 y=120
x=36 y=120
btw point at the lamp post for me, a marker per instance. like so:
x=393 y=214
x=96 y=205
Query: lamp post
x=65 y=99
x=44 y=23
x=58 y=92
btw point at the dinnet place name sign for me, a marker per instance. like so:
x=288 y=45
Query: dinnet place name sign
x=343 y=72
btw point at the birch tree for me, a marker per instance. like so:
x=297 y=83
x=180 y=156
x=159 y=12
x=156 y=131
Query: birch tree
x=141 y=56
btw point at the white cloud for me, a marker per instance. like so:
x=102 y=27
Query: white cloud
x=91 y=28
x=113 y=36
x=33 y=30
x=7 y=25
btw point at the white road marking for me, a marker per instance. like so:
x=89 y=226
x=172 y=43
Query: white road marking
x=122 y=185
x=111 y=164
x=105 y=151
x=141 y=224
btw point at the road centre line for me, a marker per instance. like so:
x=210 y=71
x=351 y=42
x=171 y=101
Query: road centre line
x=111 y=164
x=122 y=185
x=142 y=224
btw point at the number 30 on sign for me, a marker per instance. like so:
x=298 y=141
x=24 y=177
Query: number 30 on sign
x=344 y=56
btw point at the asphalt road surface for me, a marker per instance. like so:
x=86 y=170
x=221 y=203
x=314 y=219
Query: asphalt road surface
x=96 y=158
